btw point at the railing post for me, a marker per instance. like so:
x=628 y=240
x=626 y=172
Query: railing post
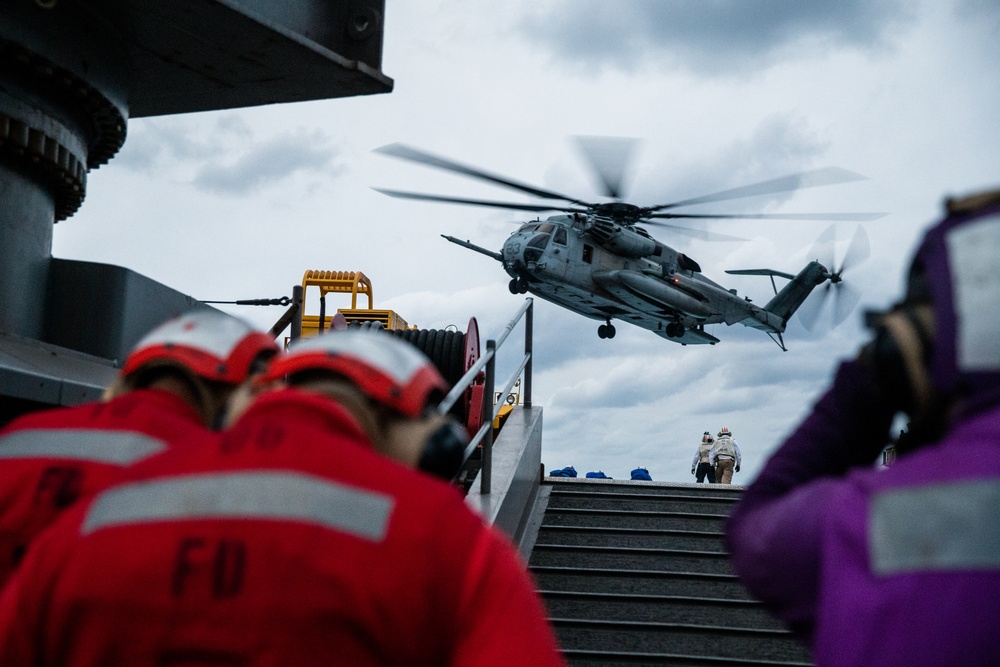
x=487 y=463
x=528 y=321
x=296 y=331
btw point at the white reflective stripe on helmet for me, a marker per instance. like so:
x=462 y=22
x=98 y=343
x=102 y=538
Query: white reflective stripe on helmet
x=932 y=528
x=212 y=331
x=972 y=249
x=115 y=447
x=394 y=358
x=267 y=495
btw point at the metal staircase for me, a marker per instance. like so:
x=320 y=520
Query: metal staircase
x=636 y=573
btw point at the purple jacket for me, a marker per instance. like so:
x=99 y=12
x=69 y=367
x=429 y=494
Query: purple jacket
x=897 y=566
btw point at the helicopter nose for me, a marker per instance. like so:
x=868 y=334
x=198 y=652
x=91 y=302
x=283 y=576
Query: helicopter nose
x=512 y=252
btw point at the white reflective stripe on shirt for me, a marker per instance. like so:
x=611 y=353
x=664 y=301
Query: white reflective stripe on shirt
x=115 y=447
x=941 y=527
x=268 y=495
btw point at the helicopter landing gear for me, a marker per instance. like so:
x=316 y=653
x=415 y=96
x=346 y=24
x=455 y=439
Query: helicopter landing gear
x=675 y=330
x=518 y=285
x=606 y=330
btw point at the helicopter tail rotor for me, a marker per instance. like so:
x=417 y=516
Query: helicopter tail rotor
x=845 y=296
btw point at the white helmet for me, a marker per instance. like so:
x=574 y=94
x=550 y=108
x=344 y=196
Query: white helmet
x=388 y=370
x=205 y=342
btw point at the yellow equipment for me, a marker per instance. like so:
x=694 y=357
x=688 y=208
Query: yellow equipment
x=344 y=282
x=513 y=399
x=452 y=352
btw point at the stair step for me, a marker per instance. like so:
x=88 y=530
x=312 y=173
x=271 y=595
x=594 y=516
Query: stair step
x=639 y=582
x=630 y=558
x=632 y=537
x=679 y=638
x=658 y=608
x=659 y=502
x=650 y=519
x=721 y=491
x=638 y=658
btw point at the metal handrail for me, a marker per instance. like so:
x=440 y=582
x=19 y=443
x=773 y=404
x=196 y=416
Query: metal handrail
x=465 y=381
x=490 y=411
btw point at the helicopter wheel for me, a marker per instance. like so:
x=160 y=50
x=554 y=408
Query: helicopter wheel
x=514 y=286
x=675 y=330
x=606 y=331
x=522 y=285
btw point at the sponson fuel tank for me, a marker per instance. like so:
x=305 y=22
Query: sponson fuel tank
x=654 y=289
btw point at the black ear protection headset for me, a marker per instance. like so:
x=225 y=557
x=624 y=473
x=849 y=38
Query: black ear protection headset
x=899 y=354
x=444 y=450
x=899 y=357
x=442 y=447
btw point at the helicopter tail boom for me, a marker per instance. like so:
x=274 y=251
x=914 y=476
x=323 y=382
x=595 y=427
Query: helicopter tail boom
x=790 y=297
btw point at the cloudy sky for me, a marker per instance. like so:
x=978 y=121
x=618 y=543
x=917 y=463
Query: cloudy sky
x=238 y=204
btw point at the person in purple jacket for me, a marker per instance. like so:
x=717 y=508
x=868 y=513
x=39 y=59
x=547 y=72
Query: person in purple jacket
x=898 y=565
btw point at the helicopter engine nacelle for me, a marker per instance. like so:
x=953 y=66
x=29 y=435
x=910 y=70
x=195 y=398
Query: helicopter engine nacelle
x=621 y=240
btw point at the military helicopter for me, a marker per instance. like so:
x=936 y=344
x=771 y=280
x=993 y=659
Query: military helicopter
x=594 y=259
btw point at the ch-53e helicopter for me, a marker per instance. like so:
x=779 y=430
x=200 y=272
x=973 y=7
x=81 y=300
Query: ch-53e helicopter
x=597 y=261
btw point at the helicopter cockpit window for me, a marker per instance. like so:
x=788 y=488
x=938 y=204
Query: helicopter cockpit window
x=529 y=228
x=533 y=251
x=540 y=241
x=546 y=228
x=560 y=236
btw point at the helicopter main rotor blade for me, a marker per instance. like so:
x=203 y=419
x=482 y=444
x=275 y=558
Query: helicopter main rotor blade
x=609 y=157
x=700 y=234
x=404 y=152
x=850 y=217
x=399 y=194
x=807 y=179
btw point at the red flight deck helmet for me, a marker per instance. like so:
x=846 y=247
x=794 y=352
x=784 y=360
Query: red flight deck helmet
x=388 y=370
x=208 y=343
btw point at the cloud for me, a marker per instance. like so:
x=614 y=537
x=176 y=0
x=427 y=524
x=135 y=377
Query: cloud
x=777 y=146
x=225 y=155
x=159 y=143
x=268 y=163
x=978 y=10
x=714 y=37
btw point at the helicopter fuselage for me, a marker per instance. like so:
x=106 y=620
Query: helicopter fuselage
x=607 y=271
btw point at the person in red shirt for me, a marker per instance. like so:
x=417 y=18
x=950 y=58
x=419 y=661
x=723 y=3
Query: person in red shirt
x=171 y=388
x=305 y=535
